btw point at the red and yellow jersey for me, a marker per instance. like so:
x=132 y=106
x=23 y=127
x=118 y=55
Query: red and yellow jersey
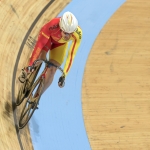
x=51 y=33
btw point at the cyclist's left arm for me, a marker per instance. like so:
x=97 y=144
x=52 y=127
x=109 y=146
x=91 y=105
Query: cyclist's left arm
x=76 y=40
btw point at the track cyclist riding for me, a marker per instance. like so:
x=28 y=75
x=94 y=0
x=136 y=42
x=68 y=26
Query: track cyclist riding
x=55 y=36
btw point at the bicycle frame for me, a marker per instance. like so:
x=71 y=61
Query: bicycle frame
x=31 y=102
x=49 y=64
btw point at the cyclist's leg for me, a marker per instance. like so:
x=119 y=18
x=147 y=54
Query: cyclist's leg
x=56 y=56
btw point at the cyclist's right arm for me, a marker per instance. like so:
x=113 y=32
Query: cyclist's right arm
x=42 y=40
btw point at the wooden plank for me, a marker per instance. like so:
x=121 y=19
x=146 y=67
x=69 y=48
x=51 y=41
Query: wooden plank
x=15 y=20
x=116 y=83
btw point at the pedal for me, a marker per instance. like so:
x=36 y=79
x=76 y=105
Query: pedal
x=33 y=104
x=30 y=102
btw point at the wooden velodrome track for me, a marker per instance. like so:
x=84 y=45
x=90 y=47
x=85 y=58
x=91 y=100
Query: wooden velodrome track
x=18 y=21
x=116 y=85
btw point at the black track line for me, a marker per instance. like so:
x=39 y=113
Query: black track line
x=16 y=65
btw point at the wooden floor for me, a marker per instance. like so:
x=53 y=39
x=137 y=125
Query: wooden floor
x=15 y=21
x=116 y=83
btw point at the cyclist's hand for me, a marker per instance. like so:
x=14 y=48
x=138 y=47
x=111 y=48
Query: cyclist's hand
x=30 y=69
x=61 y=82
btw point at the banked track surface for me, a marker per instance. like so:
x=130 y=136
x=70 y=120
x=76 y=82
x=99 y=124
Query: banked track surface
x=116 y=82
x=117 y=115
x=16 y=19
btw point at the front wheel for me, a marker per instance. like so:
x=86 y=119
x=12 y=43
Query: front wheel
x=23 y=92
x=25 y=87
x=31 y=103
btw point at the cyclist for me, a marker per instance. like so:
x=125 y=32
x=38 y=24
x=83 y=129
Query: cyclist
x=55 y=36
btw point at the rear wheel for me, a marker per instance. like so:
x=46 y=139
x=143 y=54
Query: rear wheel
x=31 y=103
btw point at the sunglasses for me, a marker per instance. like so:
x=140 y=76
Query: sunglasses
x=67 y=34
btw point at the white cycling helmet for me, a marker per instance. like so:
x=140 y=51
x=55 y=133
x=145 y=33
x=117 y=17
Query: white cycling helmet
x=68 y=22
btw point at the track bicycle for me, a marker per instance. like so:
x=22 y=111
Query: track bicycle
x=32 y=100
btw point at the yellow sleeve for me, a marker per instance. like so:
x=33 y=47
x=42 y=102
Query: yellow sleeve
x=76 y=40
